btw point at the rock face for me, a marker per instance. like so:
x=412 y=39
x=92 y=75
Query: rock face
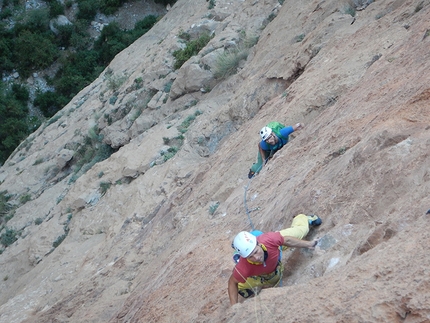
x=125 y=211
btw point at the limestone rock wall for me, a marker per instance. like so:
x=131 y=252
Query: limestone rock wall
x=127 y=200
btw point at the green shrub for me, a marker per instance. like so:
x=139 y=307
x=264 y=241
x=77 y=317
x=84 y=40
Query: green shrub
x=25 y=198
x=104 y=186
x=65 y=33
x=8 y=237
x=59 y=240
x=5 y=13
x=171 y=151
x=113 y=40
x=13 y=122
x=142 y=26
x=90 y=152
x=186 y=123
x=38 y=221
x=114 y=82
x=6 y=51
x=20 y=92
x=165 y=2
x=36 y=21
x=213 y=207
x=192 y=48
x=55 y=9
x=211 y=4
x=80 y=39
x=49 y=102
x=109 y=7
x=34 y=51
x=5 y=207
x=227 y=63
x=350 y=10
x=138 y=83
x=184 y=35
x=299 y=38
x=87 y=9
x=168 y=86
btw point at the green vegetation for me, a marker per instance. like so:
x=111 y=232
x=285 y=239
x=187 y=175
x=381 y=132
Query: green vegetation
x=168 y=86
x=66 y=229
x=187 y=122
x=31 y=46
x=104 y=186
x=211 y=4
x=228 y=62
x=89 y=153
x=59 y=240
x=213 y=207
x=176 y=143
x=350 y=10
x=5 y=208
x=24 y=198
x=15 y=124
x=171 y=151
x=299 y=38
x=165 y=2
x=192 y=48
x=8 y=237
x=38 y=161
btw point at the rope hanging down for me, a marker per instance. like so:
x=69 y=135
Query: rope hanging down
x=246 y=207
x=246 y=189
x=279 y=283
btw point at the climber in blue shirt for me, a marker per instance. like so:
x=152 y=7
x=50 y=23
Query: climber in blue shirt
x=273 y=137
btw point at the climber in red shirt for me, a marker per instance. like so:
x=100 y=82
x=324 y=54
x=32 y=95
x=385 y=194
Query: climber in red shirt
x=259 y=265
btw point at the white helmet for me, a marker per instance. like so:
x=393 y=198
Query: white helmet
x=244 y=243
x=265 y=132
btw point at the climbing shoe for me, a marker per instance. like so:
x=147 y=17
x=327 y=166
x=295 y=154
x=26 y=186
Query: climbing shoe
x=314 y=220
x=251 y=174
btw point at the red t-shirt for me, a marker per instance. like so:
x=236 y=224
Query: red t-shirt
x=272 y=241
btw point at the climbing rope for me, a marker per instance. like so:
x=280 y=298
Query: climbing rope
x=248 y=213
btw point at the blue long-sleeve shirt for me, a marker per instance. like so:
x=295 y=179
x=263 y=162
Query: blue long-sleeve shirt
x=283 y=139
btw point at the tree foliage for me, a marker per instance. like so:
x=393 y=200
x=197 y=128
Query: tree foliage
x=13 y=121
x=31 y=46
x=33 y=51
x=165 y=2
